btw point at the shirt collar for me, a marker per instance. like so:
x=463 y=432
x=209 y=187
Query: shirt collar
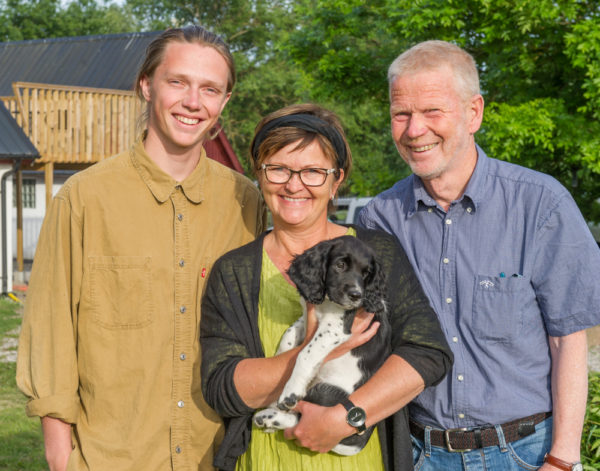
x=477 y=183
x=474 y=190
x=162 y=185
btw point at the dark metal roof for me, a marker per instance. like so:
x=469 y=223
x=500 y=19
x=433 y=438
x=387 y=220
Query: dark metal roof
x=104 y=61
x=13 y=141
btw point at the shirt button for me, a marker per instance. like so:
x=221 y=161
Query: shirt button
x=448 y=300
x=460 y=377
x=455 y=339
x=430 y=210
x=180 y=404
x=177 y=449
x=182 y=309
x=446 y=260
x=461 y=416
x=469 y=210
x=180 y=216
x=182 y=356
x=181 y=263
x=448 y=221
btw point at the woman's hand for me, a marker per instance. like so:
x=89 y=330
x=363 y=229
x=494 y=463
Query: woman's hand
x=363 y=329
x=320 y=428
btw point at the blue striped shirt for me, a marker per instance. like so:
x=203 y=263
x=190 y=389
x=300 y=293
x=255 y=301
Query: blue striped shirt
x=511 y=262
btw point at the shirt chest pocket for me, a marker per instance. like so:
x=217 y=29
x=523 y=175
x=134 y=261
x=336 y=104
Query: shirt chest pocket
x=121 y=291
x=499 y=306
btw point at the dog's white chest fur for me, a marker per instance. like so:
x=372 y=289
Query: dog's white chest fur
x=343 y=371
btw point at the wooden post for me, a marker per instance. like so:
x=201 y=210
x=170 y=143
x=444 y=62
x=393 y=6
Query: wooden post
x=49 y=181
x=19 y=190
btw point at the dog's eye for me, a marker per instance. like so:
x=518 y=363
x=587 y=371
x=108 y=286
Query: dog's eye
x=366 y=272
x=340 y=265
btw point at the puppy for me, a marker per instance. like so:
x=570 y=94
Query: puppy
x=339 y=276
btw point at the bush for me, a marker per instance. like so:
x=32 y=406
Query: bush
x=590 y=440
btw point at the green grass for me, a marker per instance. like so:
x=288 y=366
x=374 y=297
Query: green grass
x=21 y=441
x=590 y=442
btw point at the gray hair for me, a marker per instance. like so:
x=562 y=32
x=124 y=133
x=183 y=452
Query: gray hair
x=435 y=54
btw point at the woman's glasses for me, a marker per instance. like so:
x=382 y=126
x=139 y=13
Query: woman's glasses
x=308 y=176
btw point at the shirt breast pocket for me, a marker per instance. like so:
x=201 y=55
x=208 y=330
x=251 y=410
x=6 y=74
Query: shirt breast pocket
x=498 y=307
x=120 y=291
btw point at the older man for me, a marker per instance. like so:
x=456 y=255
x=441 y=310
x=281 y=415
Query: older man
x=509 y=266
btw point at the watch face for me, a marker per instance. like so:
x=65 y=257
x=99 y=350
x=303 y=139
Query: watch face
x=577 y=467
x=356 y=417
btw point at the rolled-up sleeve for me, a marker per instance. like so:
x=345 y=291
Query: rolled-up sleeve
x=47 y=362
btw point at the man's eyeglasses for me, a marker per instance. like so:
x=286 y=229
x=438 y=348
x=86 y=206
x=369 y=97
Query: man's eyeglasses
x=308 y=176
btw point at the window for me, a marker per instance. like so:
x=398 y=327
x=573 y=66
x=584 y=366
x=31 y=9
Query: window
x=28 y=193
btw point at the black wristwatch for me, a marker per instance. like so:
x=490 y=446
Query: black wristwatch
x=356 y=417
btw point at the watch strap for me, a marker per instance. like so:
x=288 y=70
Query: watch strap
x=558 y=463
x=347 y=403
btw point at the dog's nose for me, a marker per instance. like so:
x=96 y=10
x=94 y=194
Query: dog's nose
x=354 y=294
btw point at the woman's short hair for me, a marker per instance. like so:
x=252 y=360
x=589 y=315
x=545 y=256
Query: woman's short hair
x=435 y=54
x=301 y=124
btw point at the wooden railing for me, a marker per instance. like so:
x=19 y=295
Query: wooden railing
x=75 y=125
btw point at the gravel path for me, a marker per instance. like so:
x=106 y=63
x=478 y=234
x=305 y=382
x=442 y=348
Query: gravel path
x=8 y=347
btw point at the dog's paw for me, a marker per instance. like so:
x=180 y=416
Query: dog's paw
x=288 y=402
x=272 y=419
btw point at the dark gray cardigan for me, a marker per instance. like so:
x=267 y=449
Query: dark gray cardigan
x=229 y=334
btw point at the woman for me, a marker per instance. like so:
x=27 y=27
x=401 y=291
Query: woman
x=301 y=158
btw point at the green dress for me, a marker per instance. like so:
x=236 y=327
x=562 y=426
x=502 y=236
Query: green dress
x=278 y=308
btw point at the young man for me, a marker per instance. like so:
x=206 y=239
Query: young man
x=109 y=350
x=509 y=266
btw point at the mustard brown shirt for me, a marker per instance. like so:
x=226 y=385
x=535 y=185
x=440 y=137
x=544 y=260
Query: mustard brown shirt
x=109 y=340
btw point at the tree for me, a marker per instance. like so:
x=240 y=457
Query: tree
x=38 y=19
x=539 y=66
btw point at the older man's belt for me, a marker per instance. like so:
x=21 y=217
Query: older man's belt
x=467 y=439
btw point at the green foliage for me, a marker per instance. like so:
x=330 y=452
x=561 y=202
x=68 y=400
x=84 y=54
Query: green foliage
x=35 y=19
x=590 y=442
x=539 y=65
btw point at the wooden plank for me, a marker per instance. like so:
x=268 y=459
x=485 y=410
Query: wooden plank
x=44 y=123
x=25 y=120
x=76 y=127
x=114 y=127
x=42 y=86
x=89 y=123
x=61 y=107
x=35 y=117
x=48 y=181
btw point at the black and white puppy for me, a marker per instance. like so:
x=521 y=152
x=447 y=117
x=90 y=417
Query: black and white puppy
x=339 y=276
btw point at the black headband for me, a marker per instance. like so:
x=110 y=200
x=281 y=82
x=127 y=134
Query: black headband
x=310 y=123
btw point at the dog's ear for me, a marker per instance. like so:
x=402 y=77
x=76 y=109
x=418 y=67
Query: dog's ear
x=308 y=271
x=375 y=288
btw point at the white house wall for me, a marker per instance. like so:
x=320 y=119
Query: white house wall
x=32 y=217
